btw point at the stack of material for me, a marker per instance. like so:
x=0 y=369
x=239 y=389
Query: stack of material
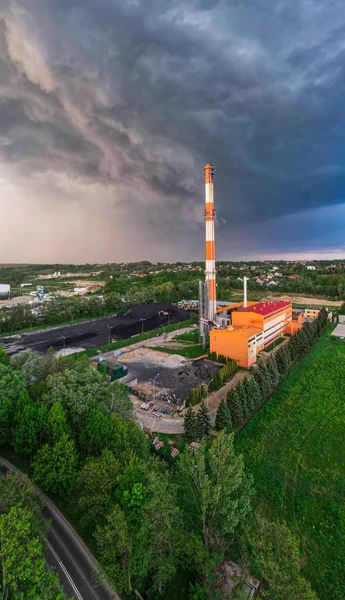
x=193 y=446
x=157 y=444
x=174 y=452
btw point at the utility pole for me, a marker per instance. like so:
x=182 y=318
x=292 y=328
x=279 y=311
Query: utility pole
x=142 y=325
x=109 y=329
x=64 y=343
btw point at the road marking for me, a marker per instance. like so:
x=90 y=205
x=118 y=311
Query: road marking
x=73 y=585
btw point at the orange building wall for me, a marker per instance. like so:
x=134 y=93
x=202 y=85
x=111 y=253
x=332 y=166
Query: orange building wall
x=232 y=345
x=235 y=344
x=295 y=324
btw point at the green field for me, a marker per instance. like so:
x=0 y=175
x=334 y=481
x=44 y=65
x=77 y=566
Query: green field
x=188 y=351
x=189 y=336
x=295 y=449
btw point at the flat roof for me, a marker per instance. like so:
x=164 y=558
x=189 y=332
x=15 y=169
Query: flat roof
x=233 y=305
x=246 y=330
x=266 y=308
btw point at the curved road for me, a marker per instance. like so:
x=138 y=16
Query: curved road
x=67 y=553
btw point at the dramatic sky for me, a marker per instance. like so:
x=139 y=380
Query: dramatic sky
x=110 y=108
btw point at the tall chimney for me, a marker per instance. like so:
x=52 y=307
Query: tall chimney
x=210 y=271
x=245 y=279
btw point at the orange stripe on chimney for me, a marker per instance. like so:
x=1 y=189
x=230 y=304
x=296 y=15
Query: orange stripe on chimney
x=210 y=251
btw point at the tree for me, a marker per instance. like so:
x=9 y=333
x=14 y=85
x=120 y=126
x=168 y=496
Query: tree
x=97 y=489
x=272 y=371
x=119 y=401
x=3 y=355
x=78 y=389
x=263 y=379
x=217 y=492
x=162 y=526
x=55 y=467
x=257 y=395
x=197 y=592
x=29 y=426
x=11 y=382
x=223 y=418
x=22 y=561
x=203 y=422
x=189 y=423
x=115 y=549
x=283 y=359
x=277 y=555
x=241 y=392
x=57 y=424
x=127 y=439
x=250 y=390
x=96 y=433
x=234 y=404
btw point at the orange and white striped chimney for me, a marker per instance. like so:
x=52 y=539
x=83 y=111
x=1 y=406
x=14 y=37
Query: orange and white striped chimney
x=210 y=271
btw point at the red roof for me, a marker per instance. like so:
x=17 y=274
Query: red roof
x=265 y=308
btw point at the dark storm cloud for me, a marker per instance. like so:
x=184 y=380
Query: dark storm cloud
x=134 y=96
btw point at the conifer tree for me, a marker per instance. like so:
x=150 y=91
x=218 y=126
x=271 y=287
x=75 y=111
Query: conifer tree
x=243 y=398
x=250 y=393
x=265 y=380
x=203 y=422
x=234 y=404
x=273 y=370
x=223 y=418
x=190 y=424
x=283 y=359
x=256 y=392
x=203 y=391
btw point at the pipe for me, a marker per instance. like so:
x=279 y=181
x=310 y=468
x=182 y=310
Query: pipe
x=210 y=270
x=245 y=279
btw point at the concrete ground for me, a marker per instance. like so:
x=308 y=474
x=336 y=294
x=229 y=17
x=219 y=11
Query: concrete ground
x=339 y=331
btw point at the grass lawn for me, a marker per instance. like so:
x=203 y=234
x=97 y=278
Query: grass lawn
x=189 y=336
x=295 y=449
x=188 y=351
x=274 y=344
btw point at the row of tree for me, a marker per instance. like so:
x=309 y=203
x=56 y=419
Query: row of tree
x=244 y=398
x=225 y=374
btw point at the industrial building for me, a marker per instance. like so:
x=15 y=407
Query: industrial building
x=312 y=312
x=238 y=331
x=252 y=329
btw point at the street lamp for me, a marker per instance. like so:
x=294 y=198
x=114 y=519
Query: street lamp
x=169 y=316
x=207 y=386
x=163 y=328
x=154 y=387
x=109 y=329
x=64 y=343
x=142 y=325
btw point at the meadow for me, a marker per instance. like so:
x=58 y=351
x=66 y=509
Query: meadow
x=294 y=448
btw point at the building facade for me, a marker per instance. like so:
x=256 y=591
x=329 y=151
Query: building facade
x=252 y=329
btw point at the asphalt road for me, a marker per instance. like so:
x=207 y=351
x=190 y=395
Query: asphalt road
x=88 y=334
x=68 y=555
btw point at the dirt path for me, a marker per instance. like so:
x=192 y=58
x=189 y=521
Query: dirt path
x=295 y=299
